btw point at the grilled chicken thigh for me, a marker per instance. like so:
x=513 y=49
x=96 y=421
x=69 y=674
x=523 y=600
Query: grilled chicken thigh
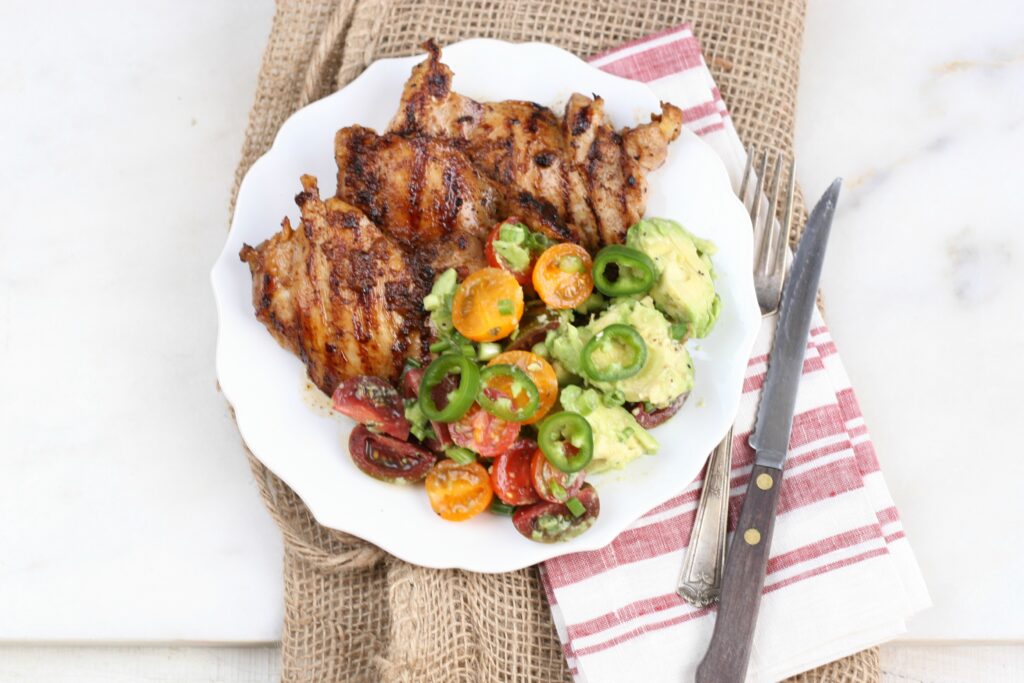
x=338 y=293
x=421 y=191
x=344 y=289
x=574 y=178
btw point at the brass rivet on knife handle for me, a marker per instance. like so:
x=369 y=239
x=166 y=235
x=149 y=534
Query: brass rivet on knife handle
x=752 y=536
x=765 y=481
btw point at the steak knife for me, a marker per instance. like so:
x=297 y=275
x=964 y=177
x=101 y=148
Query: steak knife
x=743 y=578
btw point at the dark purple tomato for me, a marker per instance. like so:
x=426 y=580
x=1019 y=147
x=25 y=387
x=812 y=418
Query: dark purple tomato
x=552 y=522
x=388 y=459
x=654 y=418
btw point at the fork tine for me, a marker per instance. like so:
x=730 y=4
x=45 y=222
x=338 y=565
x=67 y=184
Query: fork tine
x=746 y=174
x=787 y=223
x=765 y=254
x=755 y=208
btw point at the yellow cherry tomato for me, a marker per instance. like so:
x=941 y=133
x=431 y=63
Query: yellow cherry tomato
x=539 y=370
x=487 y=305
x=562 y=276
x=458 y=492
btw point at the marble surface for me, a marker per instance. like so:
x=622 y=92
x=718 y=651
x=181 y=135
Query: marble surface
x=129 y=513
x=918 y=105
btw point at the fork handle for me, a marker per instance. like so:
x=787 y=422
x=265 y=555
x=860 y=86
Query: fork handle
x=729 y=652
x=700 y=581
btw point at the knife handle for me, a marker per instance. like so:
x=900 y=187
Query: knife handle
x=742 y=582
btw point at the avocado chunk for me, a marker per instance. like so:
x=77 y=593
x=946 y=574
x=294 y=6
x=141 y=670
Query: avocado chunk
x=439 y=302
x=618 y=438
x=684 y=286
x=512 y=246
x=668 y=372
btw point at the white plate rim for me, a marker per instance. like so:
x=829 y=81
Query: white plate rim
x=597 y=537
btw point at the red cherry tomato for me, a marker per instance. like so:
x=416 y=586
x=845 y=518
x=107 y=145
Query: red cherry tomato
x=551 y=483
x=522 y=276
x=566 y=525
x=512 y=474
x=483 y=433
x=388 y=459
x=373 y=402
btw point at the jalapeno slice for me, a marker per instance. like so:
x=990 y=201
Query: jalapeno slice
x=567 y=441
x=616 y=352
x=634 y=269
x=499 y=403
x=461 y=398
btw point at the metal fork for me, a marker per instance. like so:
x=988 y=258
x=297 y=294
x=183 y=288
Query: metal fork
x=700 y=582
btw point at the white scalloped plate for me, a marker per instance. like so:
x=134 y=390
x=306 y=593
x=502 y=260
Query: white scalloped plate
x=308 y=450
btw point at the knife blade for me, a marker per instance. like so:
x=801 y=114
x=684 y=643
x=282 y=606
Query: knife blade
x=728 y=653
x=785 y=363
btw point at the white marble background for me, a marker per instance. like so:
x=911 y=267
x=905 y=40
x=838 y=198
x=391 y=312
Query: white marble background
x=920 y=106
x=128 y=513
x=128 y=510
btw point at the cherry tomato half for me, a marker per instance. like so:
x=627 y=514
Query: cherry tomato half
x=562 y=276
x=551 y=483
x=483 y=433
x=458 y=492
x=533 y=327
x=388 y=459
x=559 y=522
x=487 y=305
x=649 y=420
x=539 y=370
x=373 y=402
x=521 y=276
x=512 y=474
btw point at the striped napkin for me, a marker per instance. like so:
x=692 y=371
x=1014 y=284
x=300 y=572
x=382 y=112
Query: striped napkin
x=841 y=576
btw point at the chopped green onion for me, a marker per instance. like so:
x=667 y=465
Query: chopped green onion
x=499 y=508
x=438 y=346
x=431 y=302
x=513 y=233
x=588 y=402
x=488 y=350
x=557 y=490
x=571 y=264
x=538 y=241
x=575 y=507
x=461 y=455
x=615 y=398
x=413 y=363
x=592 y=303
x=505 y=307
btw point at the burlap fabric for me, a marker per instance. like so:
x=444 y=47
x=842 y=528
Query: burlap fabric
x=353 y=613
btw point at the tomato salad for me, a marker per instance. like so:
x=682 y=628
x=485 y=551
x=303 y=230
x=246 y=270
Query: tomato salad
x=481 y=424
